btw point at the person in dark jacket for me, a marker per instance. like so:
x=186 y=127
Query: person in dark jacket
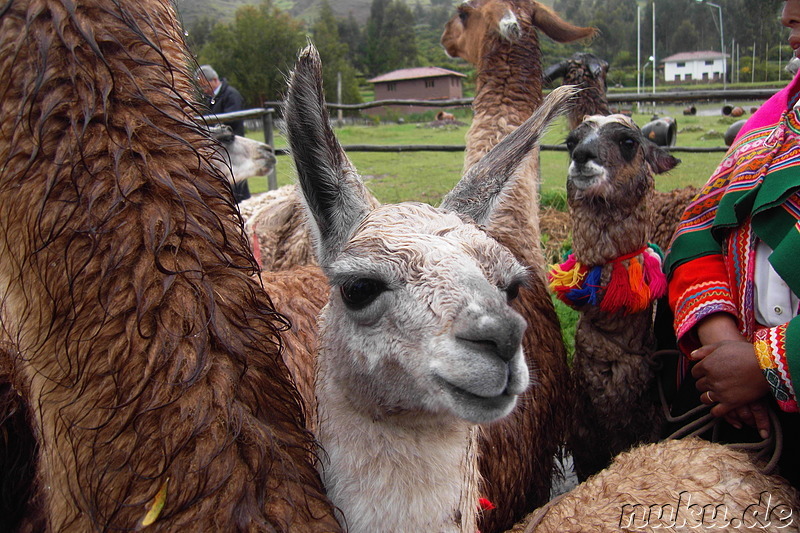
x=221 y=97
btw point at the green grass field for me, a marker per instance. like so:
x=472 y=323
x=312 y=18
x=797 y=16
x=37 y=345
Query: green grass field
x=427 y=176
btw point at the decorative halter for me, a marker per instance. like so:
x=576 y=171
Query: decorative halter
x=631 y=288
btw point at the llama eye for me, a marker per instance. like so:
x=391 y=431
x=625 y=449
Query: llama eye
x=571 y=144
x=463 y=15
x=628 y=148
x=358 y=293
x=512 y=291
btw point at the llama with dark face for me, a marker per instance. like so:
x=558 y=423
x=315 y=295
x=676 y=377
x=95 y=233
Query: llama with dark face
x=613 y=278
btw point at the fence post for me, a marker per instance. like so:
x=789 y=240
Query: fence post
x=266 y=121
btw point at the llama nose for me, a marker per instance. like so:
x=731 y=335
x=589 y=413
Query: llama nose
x=583 y=153
x=494 y=333
x=267 y=154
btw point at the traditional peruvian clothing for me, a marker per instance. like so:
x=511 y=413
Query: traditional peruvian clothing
x=740 y=236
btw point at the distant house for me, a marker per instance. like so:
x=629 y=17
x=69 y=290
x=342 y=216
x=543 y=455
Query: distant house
x=420 y=83
x=694 y=66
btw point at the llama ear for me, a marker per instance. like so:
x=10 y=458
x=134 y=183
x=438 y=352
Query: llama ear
x=335 y=198
x=557 y=28
x=478 y=192
x=555 y=71
x=660 y=160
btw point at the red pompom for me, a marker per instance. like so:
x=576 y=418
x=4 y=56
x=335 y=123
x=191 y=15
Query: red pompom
x=485 y=505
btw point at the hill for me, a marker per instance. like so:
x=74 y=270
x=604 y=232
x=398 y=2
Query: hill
x=190 y=11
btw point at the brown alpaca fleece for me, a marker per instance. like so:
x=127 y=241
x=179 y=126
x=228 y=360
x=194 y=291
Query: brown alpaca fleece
x=300 y=294
x=276 y=223
x=666 y=209
x=517 y=452
x=592 y=98
x=146 y=351
x=676 y=485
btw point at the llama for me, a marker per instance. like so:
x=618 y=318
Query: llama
x=240 y=157
x=145 y=351
x=612 y=278
x=418 y=342
x=588 y=72
x=500 y=38
x=676 y=485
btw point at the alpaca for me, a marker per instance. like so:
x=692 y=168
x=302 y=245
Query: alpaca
x=418 y=342
x=612 y=278
x=500 y=38
x=588 y=72
x=240 y=157
x=676 y=485
x=143 y=349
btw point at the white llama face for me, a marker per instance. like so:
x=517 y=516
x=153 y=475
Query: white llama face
x=418 y=325
x=239 y=157
x=419 y=318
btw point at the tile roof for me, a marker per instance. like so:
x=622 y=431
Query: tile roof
x=415 y=73
x=694 y=56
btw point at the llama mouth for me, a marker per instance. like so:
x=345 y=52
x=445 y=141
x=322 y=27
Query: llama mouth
x=584 y=179
x=476 y=408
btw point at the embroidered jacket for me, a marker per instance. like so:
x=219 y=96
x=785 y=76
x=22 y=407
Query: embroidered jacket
x=753 y=194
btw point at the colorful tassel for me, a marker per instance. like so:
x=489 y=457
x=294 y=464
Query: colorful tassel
x=631 y=288
x=653 y=273
x=618 y=295
x=588 y=292
x=639 y=289
x=567 y=275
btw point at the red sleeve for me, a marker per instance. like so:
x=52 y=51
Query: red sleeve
x=697 y=289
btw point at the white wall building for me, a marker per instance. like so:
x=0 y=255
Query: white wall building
x=694 y=66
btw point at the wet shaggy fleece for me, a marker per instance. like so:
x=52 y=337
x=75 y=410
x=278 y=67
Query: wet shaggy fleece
x=145 y=352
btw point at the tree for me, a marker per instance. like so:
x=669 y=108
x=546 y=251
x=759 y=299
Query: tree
x=389 y=41
x=200 y=33
x=350 y=34
x=333 y=53
x=255 y=51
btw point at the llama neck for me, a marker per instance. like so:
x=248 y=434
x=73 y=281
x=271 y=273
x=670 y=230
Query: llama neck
x=508 y=91
x=397 y=473
x=600 y=234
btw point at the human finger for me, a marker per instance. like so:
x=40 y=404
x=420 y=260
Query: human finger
x=702 y=352
x=761 y=419
x=707 y=398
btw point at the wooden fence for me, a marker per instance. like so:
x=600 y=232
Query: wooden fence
x=267 y=117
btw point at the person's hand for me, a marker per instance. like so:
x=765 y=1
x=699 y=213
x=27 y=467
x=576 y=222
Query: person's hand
x=755 y=415
x=728 y=375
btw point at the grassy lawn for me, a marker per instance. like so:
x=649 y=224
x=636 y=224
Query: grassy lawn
x=427 y=176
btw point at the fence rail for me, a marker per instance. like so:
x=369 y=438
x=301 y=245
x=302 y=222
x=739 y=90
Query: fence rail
x=266 y=115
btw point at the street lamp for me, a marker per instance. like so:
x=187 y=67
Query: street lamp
x=644 y=69
x=721 y=42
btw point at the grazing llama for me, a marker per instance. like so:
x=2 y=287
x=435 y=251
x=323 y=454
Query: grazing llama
x=613 y=278
x=145 y=352
x=418 y=342
x=500 y=37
